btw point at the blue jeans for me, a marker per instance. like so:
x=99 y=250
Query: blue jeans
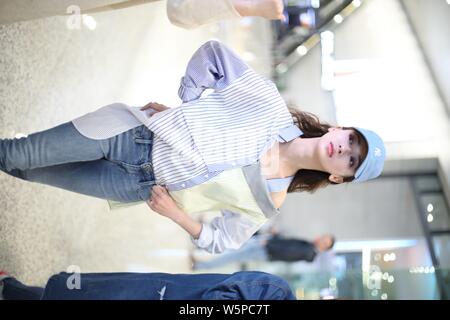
x=118 y=168
x=15 y=290
x=245 y=285
x=251 y=250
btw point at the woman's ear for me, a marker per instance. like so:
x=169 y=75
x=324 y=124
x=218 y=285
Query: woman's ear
x=335 y=178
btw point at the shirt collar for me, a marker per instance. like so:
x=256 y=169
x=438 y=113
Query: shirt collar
x=289 y=133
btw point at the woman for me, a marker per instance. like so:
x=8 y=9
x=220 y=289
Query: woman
x=237 y=151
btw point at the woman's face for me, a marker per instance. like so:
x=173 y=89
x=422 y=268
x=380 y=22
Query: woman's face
x=340 y=153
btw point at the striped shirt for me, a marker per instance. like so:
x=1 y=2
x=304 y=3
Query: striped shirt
x=230 y=127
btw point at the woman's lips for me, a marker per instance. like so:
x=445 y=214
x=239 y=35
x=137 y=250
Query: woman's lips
x=330 y=149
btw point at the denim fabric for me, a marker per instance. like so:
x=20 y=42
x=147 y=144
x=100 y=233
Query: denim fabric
x=118 y=168
x=244 y=285
x=15 y=290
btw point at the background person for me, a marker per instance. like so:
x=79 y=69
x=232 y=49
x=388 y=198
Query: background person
x=271 y=248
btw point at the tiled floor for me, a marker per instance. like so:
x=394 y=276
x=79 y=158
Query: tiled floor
x=50 y=74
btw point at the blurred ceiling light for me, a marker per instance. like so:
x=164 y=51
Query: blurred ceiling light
x=89 y=21
x=282 y=68
x=315 y=4
x=357 y=3
x=301 y=50
x=327 y=35
x=448 y=1
x=391 y=279
x=430 y=218
x=327 y=43
x=422 y=269
x=430 y=206
x=384 y=296
x=389 y=257
x=338 y=18
x=374 y=293
x=385 y=276
x=327 y=47
x=332 y=282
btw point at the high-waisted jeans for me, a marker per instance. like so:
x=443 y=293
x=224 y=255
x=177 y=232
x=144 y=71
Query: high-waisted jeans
x=118 y=168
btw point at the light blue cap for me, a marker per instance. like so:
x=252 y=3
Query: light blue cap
x=373 y=164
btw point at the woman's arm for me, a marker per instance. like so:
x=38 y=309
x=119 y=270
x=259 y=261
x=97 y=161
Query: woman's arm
x=228 y=231
x=213 y=66
x=162 y=203
x=194 y=13
x=270 y=9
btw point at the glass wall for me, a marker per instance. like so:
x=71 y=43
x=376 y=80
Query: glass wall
x=382 y=269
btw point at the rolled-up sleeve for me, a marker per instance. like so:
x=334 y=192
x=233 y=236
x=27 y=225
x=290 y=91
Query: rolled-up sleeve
x=228 y=231
x=213 y=66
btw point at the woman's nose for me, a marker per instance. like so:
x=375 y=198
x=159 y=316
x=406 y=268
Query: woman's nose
x=343 y=149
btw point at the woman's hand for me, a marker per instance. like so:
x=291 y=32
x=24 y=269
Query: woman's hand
x=155 y=106
x=269 y=9
x=162 y=203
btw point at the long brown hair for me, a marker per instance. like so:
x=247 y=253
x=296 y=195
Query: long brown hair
x=310 y=180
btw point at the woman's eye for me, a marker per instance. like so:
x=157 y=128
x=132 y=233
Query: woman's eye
x=350 y=139
x=352 y=162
